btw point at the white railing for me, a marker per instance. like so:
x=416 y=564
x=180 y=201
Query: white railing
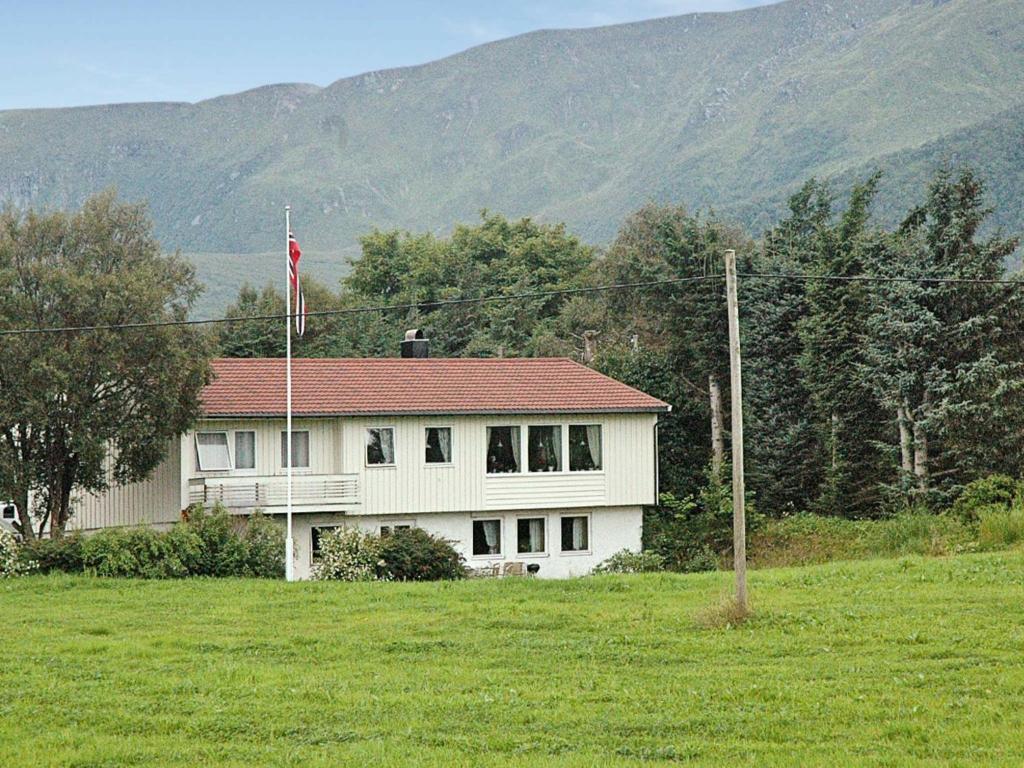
x=267 y=491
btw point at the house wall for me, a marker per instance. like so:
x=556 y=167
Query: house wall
x=411 y=486
x=611 y=530
x=154 y=501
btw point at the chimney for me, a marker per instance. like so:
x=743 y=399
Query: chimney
x=414 y=344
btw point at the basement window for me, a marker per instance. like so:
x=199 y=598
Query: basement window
x=212 y=451
x=531 y=536
x=486 y=537
x=575 y=533
x=315 y=534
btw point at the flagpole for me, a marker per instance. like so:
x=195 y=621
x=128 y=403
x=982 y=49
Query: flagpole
x=289 y=545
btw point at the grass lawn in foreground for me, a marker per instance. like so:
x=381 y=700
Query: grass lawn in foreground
x=886 y=662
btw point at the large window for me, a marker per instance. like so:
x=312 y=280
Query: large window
x=300 y=449
x=530 y=535
x=439 y=445
x=245 y=450
x=487 y=537
x=212 y=451
x=380 y=446
x=584 y=447
x=546 y=449
x=502 y=450
x=575 y=533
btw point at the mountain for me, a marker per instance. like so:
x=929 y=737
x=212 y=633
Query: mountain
x=729 y=110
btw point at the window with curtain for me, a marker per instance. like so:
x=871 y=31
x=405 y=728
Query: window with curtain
x=502 y=450
x=546 y=449
x=245 y=450
x=530 y=533
x=300 y=449
x=487 y=537
x=386 y=530
x=439 y=445
x=380 y=446
x=575 y=533
x=212 y=451
x=584 y=447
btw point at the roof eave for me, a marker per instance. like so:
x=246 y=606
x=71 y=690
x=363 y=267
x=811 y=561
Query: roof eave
x=448 y=412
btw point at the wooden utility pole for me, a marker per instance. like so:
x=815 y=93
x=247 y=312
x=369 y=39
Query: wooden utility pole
x=739 y=515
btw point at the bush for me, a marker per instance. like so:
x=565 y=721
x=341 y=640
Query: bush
x=627 y=561
x=412 y=554
x=348 y=554
x=61 y=554
x=11 y=561
x=987 y=494
x=206 y=544
x=132 y=552
x=694 y=533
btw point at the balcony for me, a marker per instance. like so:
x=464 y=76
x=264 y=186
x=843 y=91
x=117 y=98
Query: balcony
x=327 y=493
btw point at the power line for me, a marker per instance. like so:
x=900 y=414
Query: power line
x=429 y=305
x=880 y=279
x=363 y=310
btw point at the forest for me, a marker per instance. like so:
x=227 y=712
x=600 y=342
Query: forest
x=882 y=366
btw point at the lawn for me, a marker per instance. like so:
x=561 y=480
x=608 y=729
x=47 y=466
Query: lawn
x=885 y=662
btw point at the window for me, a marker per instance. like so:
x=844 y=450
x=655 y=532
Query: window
x=530 y=533
x=385 y=530
x=502 y=450
x=245 y=450
x=9 y=511
x=212 y=451
x=380 y=446
x=487 y=537
x=315 y=534
x=584 y=447
x=575 y=533
x=439 y=445
x=546 y=449
x=300 y=449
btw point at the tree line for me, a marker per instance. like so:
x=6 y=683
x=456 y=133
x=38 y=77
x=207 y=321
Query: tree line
x=888 y=375
x=885 y=374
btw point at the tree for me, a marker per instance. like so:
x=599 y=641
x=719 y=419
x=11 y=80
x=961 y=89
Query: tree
x=687 y=320
x=944 y=357
x=82 y=410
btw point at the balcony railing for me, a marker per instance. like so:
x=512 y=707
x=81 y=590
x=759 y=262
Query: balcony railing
x=266 y=491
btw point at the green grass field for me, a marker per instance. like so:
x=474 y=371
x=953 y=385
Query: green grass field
x=886 y=662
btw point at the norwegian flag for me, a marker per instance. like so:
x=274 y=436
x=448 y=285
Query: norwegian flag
x=294 y=254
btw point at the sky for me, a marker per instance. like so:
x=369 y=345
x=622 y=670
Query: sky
x=60 y=53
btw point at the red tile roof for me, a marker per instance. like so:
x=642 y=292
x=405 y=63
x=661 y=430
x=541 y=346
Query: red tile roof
x=394 y=386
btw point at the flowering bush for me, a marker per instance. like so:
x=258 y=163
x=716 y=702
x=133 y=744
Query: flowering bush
x=11 y=564
x=348 y=554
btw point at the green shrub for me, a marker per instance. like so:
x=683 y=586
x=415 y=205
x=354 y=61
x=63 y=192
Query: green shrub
x=55 y=554
x=206 y=544
x=412 y=554
x=694 y=533
x=1000 y=528
x=627 y=561
x=264 y=543
x=348 y=554
x=132 y=553
x=11 y=561
x=986 y=495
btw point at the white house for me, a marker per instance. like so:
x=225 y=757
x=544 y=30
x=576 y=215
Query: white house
x=541 y=461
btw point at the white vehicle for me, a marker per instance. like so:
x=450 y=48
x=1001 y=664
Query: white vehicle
x=8 y=517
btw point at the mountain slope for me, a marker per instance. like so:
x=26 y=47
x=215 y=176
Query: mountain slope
x=726 y=110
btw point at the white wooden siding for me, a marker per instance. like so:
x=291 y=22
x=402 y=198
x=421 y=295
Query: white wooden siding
x=154 y=501
x=337 y=446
